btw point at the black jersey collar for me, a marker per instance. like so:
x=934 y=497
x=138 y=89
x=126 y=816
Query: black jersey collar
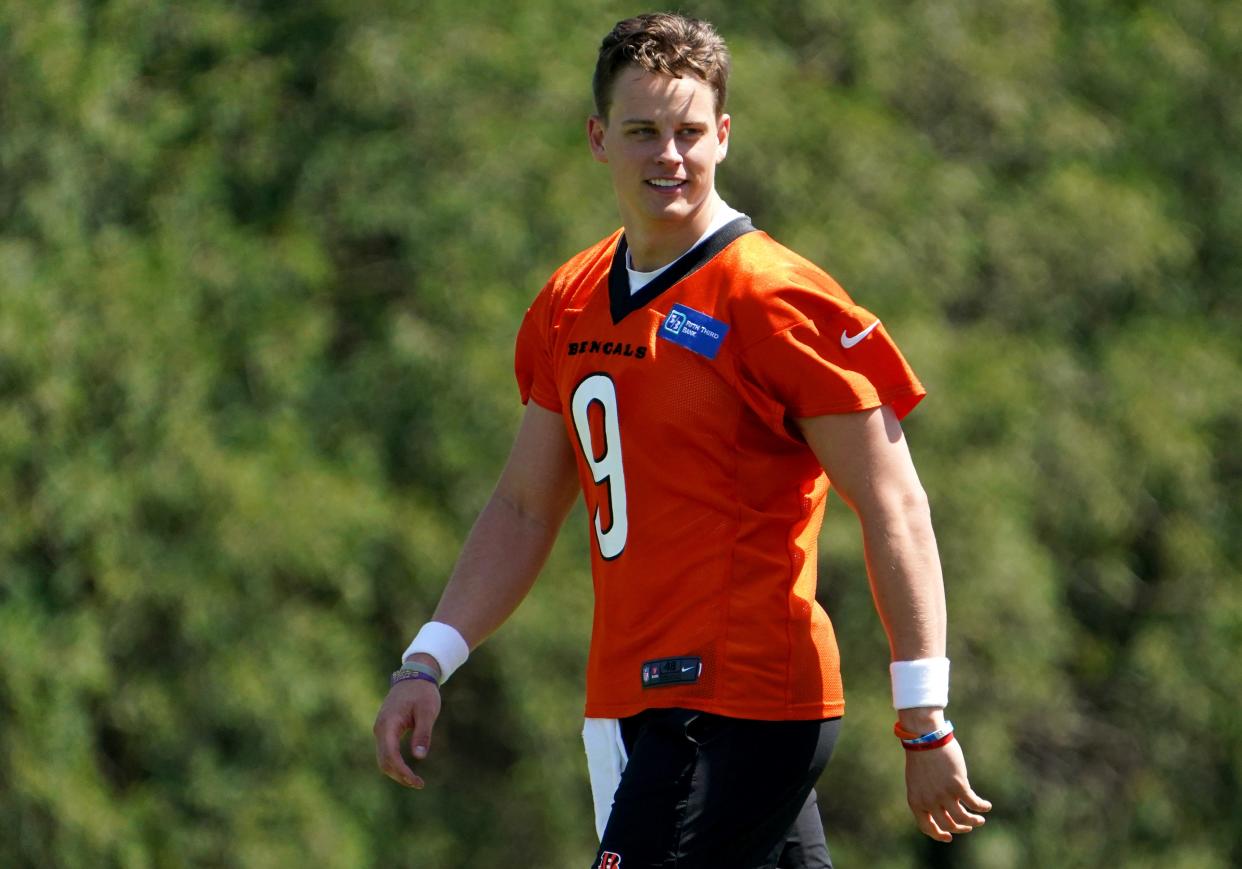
x=623 y=302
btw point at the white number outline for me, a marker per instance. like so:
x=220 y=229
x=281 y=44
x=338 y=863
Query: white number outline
x=609 y=469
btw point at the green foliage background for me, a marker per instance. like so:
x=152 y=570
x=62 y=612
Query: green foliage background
x=261 y=266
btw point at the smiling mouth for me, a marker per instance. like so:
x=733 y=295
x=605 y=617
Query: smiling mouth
x=666 y=183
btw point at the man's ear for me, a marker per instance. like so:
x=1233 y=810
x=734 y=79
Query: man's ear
x=723 y=126
x=595 y=138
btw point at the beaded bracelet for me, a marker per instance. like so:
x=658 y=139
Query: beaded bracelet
x=414 y=670
x=406 y=675
x=926 y=742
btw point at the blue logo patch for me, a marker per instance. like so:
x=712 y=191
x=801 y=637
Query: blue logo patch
x=693 y=330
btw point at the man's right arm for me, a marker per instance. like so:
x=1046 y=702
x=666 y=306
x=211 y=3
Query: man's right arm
x=499 y=562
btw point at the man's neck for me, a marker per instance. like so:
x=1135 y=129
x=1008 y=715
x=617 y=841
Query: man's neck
x=654 y=244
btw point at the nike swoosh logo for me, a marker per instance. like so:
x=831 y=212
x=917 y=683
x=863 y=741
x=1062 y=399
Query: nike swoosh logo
x=688 y=669
x=848 y=340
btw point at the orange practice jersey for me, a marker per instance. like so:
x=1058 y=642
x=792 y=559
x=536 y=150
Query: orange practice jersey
x=704 y=502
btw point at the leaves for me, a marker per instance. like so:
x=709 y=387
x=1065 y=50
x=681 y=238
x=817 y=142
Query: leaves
x=261 y=267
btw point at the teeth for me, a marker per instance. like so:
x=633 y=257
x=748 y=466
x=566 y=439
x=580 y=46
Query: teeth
x=664 y=182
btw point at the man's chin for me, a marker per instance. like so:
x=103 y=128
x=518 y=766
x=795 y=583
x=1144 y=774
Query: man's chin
x=675 y=211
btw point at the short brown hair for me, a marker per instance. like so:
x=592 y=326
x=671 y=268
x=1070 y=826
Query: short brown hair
x=664 y=43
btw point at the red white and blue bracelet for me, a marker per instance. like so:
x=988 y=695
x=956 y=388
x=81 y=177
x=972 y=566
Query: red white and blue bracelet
x=926 y=742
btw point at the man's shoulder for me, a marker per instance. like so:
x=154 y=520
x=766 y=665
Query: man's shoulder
x=571 y=285
x=586 y=265
x=772 y=287
x=766 y=265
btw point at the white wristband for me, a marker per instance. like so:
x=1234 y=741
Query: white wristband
x=444 y=643
x=924 y=682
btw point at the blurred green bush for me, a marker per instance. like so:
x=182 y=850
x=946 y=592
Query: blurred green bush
x=261 y=266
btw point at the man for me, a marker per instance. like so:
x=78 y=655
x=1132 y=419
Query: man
x=703 y=385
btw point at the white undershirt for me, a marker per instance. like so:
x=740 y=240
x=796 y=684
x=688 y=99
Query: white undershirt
x=638 y=280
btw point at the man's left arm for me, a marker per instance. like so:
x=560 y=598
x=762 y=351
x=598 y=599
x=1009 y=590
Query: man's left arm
x=868 y=462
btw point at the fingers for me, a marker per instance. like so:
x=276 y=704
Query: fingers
x=420 y=739
x=940 y=796
x=963 y=815
x=388 y=753
x=955 y=807
x=930 y=828
x=943 y=822
x=975 y=802
x=946 y=817
x=948 y=823
x=410 y=705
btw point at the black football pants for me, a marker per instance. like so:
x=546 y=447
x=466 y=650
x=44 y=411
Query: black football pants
x=703 y=791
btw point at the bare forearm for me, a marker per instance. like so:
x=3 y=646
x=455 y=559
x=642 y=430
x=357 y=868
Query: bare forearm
x=904 y=568
x=499 y=562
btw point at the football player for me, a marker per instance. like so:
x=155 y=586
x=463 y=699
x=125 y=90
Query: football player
x=702 y=387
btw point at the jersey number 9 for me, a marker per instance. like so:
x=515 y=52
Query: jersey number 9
x=601 y=447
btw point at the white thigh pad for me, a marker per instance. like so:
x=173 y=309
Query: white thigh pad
x=606 y=758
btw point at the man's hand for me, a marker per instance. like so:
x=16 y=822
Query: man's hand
x=410 y=705
x=939 y=792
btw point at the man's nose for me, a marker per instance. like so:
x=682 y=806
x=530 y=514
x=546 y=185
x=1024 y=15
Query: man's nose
x=668 y=150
